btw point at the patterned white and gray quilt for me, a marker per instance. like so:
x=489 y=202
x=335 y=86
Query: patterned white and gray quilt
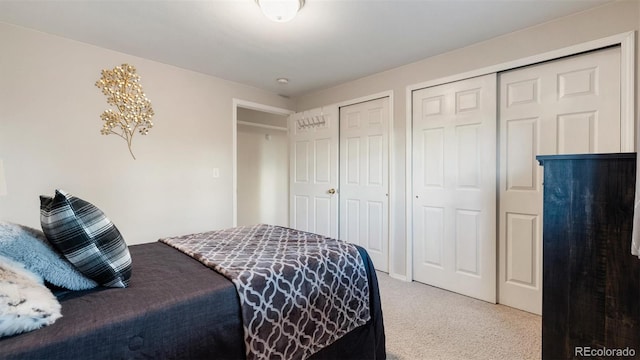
x=299 y=291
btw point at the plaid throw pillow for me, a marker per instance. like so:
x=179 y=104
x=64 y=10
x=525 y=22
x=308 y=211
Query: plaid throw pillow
x=87 y=238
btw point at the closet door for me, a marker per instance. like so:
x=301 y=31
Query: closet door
x=313 y=176
x=364 y=178
x=454 y=186
x=567 y=106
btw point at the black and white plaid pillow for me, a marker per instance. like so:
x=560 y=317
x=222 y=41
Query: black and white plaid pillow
x=87 y=238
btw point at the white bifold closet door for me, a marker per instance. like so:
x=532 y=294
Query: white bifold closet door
x=454 y=186
x=364 y=178
x=566 y=106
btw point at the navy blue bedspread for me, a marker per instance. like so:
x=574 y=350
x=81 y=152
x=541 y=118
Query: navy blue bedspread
x=174 y=308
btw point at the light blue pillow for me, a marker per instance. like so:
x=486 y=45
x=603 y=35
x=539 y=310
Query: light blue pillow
x=31 y=248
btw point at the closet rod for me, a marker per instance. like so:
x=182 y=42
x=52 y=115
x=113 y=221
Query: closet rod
x=263 y=126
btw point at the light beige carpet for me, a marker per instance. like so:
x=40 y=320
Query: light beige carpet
x=424 y=322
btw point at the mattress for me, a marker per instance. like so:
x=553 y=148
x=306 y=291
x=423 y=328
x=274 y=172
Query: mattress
x=174 y=308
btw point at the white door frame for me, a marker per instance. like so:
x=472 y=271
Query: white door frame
x=627 y=97
x=392 y=182
x=238 y=103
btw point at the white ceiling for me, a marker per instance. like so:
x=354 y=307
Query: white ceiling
x=329 y=42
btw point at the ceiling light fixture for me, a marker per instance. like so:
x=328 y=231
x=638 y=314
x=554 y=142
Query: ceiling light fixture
x=280 y=10
x=282 y=81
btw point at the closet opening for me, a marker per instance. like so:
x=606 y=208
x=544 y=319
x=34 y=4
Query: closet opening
x=261 y=165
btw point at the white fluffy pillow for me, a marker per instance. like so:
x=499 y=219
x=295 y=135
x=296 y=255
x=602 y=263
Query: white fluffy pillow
x=25 y=303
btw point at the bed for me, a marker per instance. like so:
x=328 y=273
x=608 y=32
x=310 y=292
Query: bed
x=173 y=308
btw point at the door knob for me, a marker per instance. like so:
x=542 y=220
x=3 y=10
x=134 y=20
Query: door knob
x=332 y=191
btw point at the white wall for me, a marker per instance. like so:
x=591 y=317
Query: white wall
x=50 y=138
x=615 y=18
x=263 y=170
x=49 y=125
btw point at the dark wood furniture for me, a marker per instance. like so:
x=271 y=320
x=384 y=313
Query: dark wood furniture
x=591 y=281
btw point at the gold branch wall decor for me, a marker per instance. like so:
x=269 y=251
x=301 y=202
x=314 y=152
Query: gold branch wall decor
x=133 y=111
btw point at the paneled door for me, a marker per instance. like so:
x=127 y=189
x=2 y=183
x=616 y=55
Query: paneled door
x=454 y=186
x=565 y=106
x=313 y=149
x=364 y=178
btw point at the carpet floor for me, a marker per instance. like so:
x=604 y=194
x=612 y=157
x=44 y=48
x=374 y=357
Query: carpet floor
x=424 y=322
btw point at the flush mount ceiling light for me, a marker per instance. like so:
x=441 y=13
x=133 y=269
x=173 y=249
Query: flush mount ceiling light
x=280 y=10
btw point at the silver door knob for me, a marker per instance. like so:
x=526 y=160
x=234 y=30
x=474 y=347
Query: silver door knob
x=332 y=191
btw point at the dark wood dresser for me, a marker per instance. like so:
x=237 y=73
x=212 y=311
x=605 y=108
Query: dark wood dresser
x=591 y=281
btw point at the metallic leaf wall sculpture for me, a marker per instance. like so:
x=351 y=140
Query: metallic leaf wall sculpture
x=133 y=110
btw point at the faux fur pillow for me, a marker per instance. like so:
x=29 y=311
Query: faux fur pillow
x=25 y=303
x=29 y=247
